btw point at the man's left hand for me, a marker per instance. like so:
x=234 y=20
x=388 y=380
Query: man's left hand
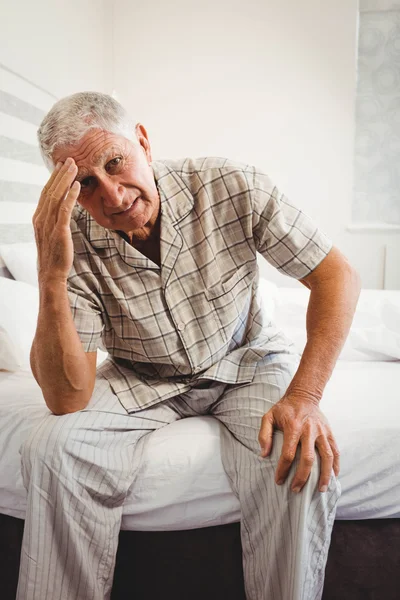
x=301 y=420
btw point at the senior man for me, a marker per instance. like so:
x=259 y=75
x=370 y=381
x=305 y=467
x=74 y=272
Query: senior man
x=155 y=261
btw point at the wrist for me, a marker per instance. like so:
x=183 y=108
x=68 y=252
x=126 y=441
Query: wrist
x=50 y=288
x=302 y=394
x=51 y=282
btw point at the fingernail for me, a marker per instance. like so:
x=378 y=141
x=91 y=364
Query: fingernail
x=323 y=488
x=296 y=489
x=280 y=481
x=58 y=165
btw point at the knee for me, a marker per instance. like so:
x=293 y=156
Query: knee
x=315 y=468
x=313 y=481
x=47 y=443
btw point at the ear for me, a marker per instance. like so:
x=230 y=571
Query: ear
x=143 y=138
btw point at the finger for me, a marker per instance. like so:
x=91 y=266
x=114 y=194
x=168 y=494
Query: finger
x=336 y=454
x=265 y=436
x=326 y=454
x=307 y=457
x=65 y=210
x=291 y=439
x=63 y=183
x=58 y=194
x=46 y=188
x=49 y=189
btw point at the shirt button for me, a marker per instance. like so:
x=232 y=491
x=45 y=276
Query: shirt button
x=181 y=326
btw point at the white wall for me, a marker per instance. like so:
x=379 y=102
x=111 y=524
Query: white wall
x=269 y=82
x=48 y=49
x=61 y=46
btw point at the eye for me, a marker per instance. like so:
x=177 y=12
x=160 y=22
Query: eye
x=85 y=183
x=114 y=162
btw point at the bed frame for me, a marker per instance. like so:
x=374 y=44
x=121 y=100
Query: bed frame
x=206 y=564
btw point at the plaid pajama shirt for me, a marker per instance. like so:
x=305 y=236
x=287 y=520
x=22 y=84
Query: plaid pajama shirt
x=199 y=315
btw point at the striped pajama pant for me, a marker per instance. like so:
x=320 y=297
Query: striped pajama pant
x=79 y=467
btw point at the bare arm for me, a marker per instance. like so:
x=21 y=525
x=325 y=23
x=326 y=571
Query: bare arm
x=65 y=373
x=335 y=288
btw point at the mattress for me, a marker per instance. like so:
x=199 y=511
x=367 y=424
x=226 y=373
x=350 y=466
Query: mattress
x=182 y=484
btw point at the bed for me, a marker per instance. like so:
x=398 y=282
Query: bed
x=181 y=522
x=182 y=517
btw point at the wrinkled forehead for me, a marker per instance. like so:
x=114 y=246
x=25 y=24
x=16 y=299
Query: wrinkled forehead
x=92 y=148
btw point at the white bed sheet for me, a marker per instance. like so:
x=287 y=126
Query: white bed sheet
x=181 y=483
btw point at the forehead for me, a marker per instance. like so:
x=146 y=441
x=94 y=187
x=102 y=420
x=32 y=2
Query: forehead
x=91 y=150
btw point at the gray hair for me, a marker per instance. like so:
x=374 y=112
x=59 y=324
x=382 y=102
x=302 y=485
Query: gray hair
x=71 y=118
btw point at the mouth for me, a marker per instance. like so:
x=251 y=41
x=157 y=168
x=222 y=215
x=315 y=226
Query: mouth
x=124 y=212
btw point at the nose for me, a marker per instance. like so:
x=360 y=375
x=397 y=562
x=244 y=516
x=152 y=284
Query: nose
x=111 y=193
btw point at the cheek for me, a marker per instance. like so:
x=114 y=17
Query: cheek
x=137 y=174
x=88 y=204
x=82 y=201
x=87 y=198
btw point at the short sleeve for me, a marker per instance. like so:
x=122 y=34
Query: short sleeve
x=285 y=236
x=87 y=316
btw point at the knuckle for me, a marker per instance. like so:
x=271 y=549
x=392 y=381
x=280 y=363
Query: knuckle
x=293 y=434
x=308 y=461
x=308 y=425
x=328 y=455
x=288 y=456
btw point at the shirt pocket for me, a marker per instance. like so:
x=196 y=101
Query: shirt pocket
x=237 y=282
x=230 y=300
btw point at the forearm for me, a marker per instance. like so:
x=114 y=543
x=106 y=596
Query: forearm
x=330 y=312
x=58 y=360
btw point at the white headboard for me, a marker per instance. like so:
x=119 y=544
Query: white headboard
x=391 y=278
x=23 y=105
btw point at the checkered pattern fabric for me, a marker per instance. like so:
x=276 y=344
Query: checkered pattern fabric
x=199 y=315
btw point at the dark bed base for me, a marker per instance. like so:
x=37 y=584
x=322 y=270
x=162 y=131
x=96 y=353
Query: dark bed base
x=206 y=564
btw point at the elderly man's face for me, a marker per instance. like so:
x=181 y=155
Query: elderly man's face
x=117 y=182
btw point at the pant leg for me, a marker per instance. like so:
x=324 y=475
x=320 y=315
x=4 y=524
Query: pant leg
x=78 y=469
x=285 y=536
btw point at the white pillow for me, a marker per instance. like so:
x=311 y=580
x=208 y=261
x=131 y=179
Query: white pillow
x=20 y=259
x=19 y=308
x=383 y=338
x=268 y=293
x=375 y=331
x=9 y=357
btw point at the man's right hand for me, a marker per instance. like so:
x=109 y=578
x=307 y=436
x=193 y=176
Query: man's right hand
x=51 y=223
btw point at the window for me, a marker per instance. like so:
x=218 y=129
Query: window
x=376 y=196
